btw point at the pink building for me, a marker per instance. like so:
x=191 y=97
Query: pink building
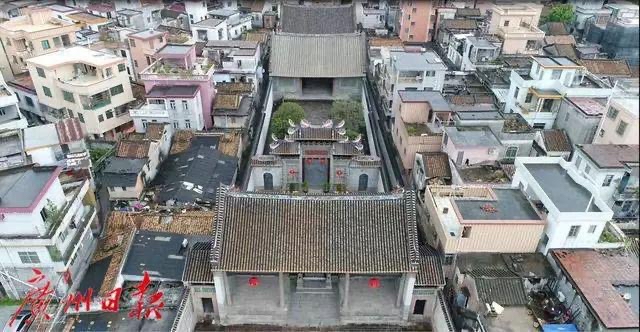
x=471 y=146
x=417 y=18
x=144 y=45
x=177 y=65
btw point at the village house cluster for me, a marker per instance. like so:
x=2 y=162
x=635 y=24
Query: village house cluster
x=429 y=165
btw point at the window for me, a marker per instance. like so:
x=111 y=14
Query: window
x=29 y=101
x=363 y=182
x=410 y=36
x=15 y=59
x=123 y=53
x=413 y=23
x=267 y=180
x=135 y=63
x=47 y=91
x=466 y=231
x=57 y=42
x=109 y=114
x=555 y=74
x=622 y=126
x=612 y=113
x=413 y=10
x=116 y=90
x=100 y=118
x=44 y=214
x=45 y=45
x=68 y=96
x=70 y=113
x=187 y=124
x=566 y=117
x=8 y=42
x=41 y=72
x=573 y=232
x=418 y=307
x=607 y=180
x=527 y=99
x=512 y=152
x=29 y=257
x=430 y=73
x=578 y=162
x=538 y=125
x=2 y=112
x=506 y=23
x=592 y=229
x=515 y=94
x=176 y=124
x=185 y=105
x=587 y=169
x=601 y=133
x=148 y=61
x=132 y=43
x=80 y=117
x=144 y=124
x=63 y=235
x=122 y=67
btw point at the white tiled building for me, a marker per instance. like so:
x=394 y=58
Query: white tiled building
x=10 y=115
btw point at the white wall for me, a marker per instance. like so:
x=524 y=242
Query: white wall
x=32 y=223
x=212 y=33
x=235 y=31
x=197 y=10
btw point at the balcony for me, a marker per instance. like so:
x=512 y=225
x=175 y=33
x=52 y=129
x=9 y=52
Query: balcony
x=627 y=194
x=82 y=226
x=150 y=110
x=96 y=101
x=524 y=31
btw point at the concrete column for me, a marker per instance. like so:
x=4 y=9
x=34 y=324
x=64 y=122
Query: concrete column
x=345 y=300
x=227 y=288
x=281 y=284
x=400 y=291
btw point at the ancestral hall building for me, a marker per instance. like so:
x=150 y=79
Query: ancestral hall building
x=306 y=260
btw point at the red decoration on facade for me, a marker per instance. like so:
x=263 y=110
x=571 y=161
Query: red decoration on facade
x=374 y=283
x=323 y=161
x=254 y=281
x=292 y=171
x=309 y=161
x=339 y=172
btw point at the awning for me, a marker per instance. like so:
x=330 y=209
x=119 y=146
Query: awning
x=546 y=94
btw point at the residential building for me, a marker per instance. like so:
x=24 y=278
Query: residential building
x=59 y=144
x=322 y=19
x=431 y=168
x=448 y=28
x=177 y=68
x=603 y=286
x=210 y=29
x=5 y=66
x=537 y=96
x=196 y=9
x=372 y=15
x=470 y=146
x=579 y=117
x=90 y=85
x=319 y=157
x=180 y=106
x=232 y=111
x=11 y=149
x=115 y=40
x=517 y=26
x=15 y=8
x=143 y=46
x=423 y=70
x=10 y=115
x=263 y=13
x=88 y=21
x=104 y=9
x=468 y=52
x=481 y=219
x=315 y=75
x=613 y=169
x=136 y=162
x=607 y=69
x=552 y=143
x=620 y=124
x=149 y=11
x=263 y=297
x=414 y=116
x=587 y=9
x=236 y=61
x=48 y=225
x=35 y=33
x=617 y=37
x=576 y=215
x=417 y=21
x=130 y=18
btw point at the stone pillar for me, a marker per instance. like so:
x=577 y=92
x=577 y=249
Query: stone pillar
x=345 y=300
x=227 y=288
x=410 y=281
x=281 y=286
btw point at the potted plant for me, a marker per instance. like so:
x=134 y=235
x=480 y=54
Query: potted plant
x=327 y=187
x=305 y=186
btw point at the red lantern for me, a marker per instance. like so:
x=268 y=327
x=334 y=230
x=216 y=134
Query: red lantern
x=339 y=172
x=374 y=283
x=254 y=282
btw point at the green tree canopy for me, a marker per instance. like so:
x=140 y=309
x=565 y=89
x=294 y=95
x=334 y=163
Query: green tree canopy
x=280 y=121
x=560 y=13
x=351 y=112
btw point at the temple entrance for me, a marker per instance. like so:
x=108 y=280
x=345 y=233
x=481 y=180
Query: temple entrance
x=317 y=87
x=316 y=172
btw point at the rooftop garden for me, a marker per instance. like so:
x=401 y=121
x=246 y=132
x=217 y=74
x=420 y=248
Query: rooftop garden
x=348 y=110
x=416 y=129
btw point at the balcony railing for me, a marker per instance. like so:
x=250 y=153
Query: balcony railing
x=81 y=226
x=630 y=193
x=95 y=104
x=155 y=110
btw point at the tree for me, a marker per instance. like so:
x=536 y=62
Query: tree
x=560 y=13
x=351 y=112
x=280 y=121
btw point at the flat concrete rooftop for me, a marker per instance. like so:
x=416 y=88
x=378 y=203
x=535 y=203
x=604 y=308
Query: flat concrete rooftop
x=510 y=204
x=566 y=194
x=19 y=187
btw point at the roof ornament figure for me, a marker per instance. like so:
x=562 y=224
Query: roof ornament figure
x=291 y=124
x=274 y=145
x=288 y=139
x=327 y=124
x=274 y=137
x=341 y=131
x=304 y=123
x=358 y=146
x=340 y=124
x=291 y=130
x=358 y=139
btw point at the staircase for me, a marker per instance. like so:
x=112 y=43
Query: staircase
x=445 y=311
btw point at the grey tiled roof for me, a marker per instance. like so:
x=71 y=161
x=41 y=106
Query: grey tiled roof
x=362 y=233
x=318 y=19
x=504 y=291
x=297 y=55
x=198 y=266
x=430 y=271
